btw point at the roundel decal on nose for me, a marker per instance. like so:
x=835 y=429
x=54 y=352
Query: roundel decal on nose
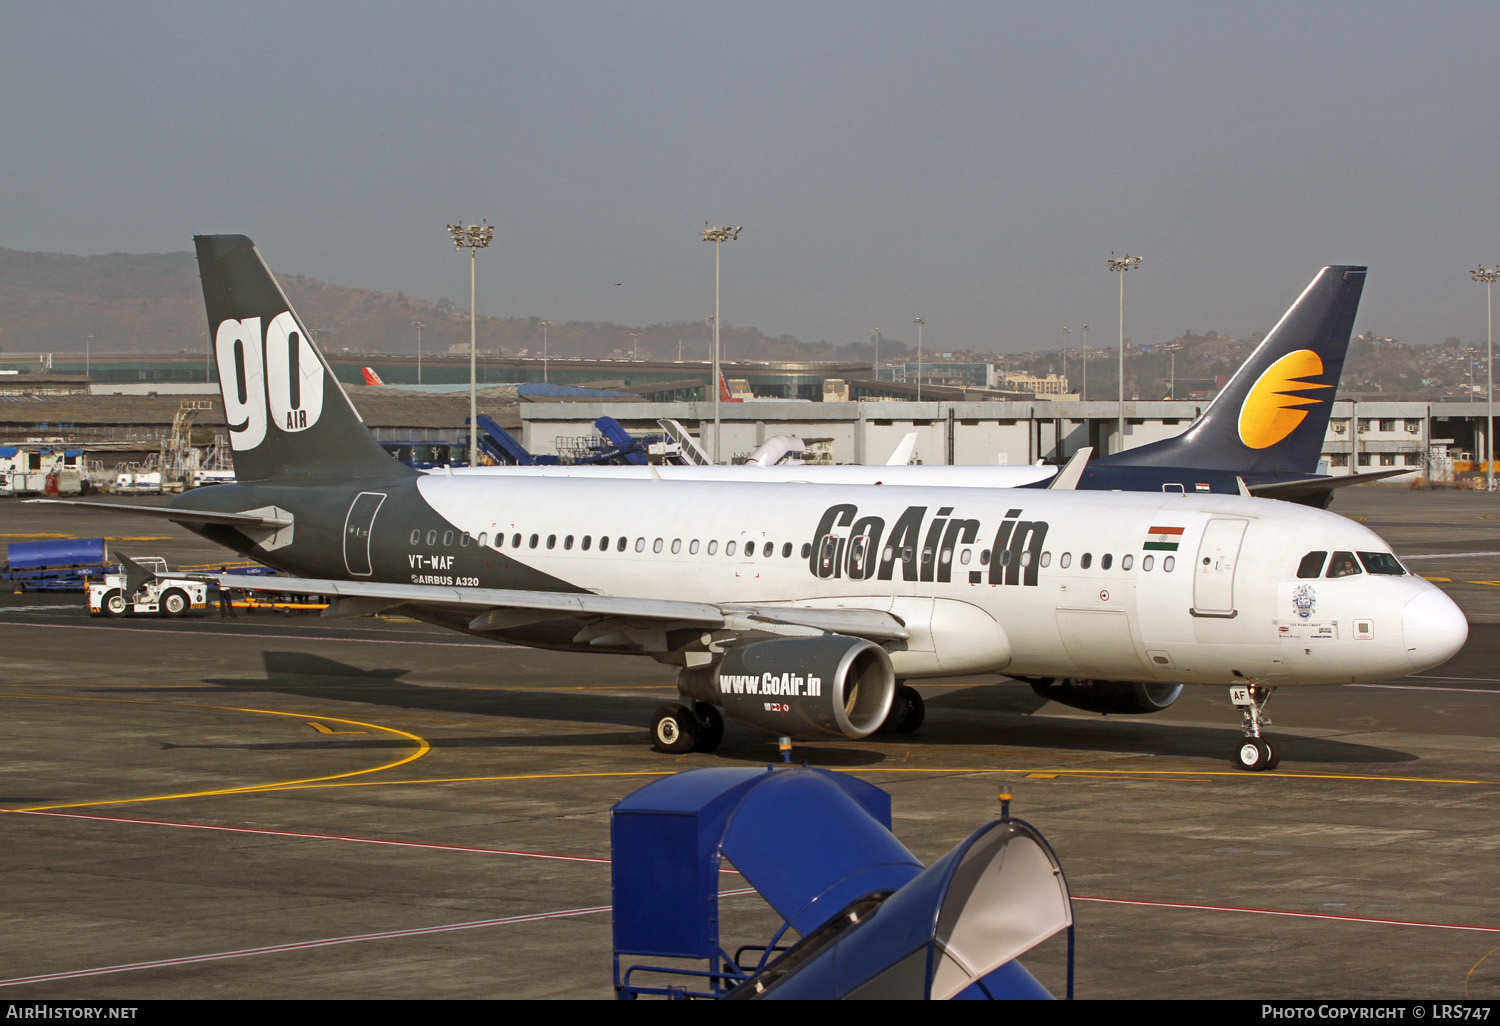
x=1271 y=411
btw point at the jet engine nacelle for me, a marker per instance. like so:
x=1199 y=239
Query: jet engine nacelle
x=1107 y=696
x=831 y=686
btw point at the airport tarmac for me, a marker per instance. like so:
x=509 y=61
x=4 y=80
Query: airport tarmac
x=284 y=806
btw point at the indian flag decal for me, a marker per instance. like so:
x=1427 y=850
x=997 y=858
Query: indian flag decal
x=1163 y=539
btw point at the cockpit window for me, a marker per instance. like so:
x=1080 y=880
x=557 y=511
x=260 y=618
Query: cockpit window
x=1381 y=563
x=1312 y=564
x=1342 y=565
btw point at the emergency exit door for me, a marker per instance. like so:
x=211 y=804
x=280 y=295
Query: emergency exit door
x=358 y=526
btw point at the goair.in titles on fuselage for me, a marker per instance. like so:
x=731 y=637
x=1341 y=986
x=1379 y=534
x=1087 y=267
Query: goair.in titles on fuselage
x=846 y=544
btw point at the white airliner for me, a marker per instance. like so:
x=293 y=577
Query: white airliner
x=798 y=608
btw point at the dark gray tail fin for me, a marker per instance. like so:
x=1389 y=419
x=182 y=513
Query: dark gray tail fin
x=1272 y=415
x=287 y=414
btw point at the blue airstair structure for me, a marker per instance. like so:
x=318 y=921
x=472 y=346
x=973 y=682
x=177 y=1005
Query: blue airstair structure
x=817 y=846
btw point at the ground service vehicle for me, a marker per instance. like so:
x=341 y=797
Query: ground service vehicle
x=123 y=592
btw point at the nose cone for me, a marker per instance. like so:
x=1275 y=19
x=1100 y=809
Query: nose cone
x=1433 y=629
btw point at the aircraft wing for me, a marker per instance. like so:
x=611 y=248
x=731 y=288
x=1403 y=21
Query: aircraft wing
x=1318 y=484
x=251 y=519
x=612 y=617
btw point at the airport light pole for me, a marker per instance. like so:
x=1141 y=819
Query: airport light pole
x=920 y=322
x=1122 y=264
x=544 y=351
x=419 y=326
x=876 y=333
x=1065 y=331
x=1083 y=393
x=718 y=235
x=88 y=341
x=1489 y=275
x=1172 y=380
x=472 y=237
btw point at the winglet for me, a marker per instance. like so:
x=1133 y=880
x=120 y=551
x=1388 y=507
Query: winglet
x=901 y=455
x=1068 y=477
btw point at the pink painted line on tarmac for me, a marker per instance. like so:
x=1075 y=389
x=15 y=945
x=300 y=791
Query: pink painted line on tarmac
x=308 y=836
x=277 y=949
x=1293 y=915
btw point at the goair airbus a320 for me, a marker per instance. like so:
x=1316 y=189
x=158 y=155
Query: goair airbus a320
x=799 y=608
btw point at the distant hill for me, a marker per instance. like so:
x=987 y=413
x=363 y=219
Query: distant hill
x=151 y=303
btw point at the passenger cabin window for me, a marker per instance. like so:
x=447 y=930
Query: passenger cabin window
x=1342 y=565
x=1312 y=564
x=1382 y=563
x=1085 y=560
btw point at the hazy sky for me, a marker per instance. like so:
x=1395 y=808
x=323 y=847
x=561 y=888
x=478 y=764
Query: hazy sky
x=970 y=163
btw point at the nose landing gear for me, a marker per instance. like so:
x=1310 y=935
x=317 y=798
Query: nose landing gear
x=1255 y=752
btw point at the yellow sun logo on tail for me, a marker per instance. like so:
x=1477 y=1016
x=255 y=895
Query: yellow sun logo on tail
x=1270 y=413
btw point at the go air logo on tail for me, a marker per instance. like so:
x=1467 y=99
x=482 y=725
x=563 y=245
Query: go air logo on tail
x=1270 y=411
x=272 y=377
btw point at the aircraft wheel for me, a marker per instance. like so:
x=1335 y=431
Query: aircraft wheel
x=173 y=603
x=907 y=712
x=711 y=726
x=1273 y=759
x=916 y=711
x=674 y=730
x=1255 y=753
x=113 y=603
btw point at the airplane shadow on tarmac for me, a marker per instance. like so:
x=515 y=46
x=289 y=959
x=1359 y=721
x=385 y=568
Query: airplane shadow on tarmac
x=989 y=715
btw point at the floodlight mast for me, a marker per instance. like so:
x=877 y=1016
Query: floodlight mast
x=472 y=237
x=1489 y=275
x=1122 y=264
x=920 y=322
x=717 y=235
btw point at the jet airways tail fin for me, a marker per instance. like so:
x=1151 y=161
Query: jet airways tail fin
x=288 y=416
x=1273 y=413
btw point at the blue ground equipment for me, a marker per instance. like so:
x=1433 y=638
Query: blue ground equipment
x=818 y=847
x=57 y=564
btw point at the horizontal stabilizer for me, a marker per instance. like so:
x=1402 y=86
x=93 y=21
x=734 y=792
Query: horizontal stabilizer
x=186 y=516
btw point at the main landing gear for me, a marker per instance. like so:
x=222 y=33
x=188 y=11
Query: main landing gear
x=1256 y=751
x=676 y=729
x=907 y=712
